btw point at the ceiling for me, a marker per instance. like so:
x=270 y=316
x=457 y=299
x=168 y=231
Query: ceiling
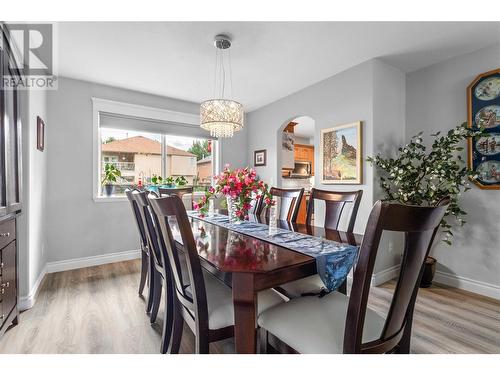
x=270 y=60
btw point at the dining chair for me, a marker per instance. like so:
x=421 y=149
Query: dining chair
x=201 y=300
x=155 y=263
x=335 y=206
x=290 y=203
x=143 y=238
x=186 y=194
x=161 y=270
x=340 y=324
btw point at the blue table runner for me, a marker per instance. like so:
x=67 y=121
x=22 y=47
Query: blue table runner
x=334 y=260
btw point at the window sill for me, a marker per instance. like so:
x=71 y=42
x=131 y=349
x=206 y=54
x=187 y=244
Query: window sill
x=110 y=199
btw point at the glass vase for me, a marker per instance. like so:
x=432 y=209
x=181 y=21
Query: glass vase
x=273 y=218
x=232 y=208
x=211 y=206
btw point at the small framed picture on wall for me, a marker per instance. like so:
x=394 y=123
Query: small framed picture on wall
x=259 y=158
x=40 y=134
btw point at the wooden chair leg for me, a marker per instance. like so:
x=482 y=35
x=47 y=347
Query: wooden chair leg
x=178 y=326
x=157 y=288
x=263 y=341
x=202 y=345
x=168 y=318
x=404 y=344
x=144 y=272
x=151 y=274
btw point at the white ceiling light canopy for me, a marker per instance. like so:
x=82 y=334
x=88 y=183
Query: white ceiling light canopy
x=220 y=116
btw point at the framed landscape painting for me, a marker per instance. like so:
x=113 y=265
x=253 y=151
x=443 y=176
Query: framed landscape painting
x=340 y=154
x=483 y=107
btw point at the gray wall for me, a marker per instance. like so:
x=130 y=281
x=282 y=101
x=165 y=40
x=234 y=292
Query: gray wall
x=372 y=92
x=388 y=134
x=343 y=98
x=436 y=100
x=31 y=222
x=76 y=225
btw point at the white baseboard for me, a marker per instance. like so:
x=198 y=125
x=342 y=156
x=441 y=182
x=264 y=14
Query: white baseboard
x=27 y=302
x=459 y=282
x=474 y=286
x=383 y=276
x=72 y=264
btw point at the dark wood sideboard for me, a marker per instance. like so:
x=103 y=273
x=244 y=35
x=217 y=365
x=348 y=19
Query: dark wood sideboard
x=10 y=186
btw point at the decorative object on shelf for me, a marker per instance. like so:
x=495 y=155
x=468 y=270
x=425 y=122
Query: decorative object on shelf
x=419 y=177
x=483 y=109
x=111 y=173
x=40 y=134
x=222 y=117
x=259 y=158
x=240 y=187
x=287 y=151
x=340 y=153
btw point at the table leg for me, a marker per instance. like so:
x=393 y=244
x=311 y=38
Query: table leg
x=245 y=313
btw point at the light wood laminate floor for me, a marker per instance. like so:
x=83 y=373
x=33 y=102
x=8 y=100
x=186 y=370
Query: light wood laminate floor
x=98 y=310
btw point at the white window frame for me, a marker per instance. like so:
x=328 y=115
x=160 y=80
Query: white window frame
x=140 y=111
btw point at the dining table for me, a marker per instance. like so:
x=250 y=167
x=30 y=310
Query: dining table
x=249 y=265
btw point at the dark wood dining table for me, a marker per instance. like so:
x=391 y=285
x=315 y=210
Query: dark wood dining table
x=249 y=265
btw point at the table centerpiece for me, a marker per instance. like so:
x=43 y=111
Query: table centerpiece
x=239 y=187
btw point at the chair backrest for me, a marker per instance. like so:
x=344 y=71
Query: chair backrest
x=181 y=193
x=137 y=216
x=290 y=203
x=420 y=226
x=145 y=212
x=175 y=191
x=335 y=202
x=191 y=293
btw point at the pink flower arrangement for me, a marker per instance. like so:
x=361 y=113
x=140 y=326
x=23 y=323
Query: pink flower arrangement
x=242 y=185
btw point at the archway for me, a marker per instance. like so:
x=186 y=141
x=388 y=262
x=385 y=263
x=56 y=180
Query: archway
x=296 y=153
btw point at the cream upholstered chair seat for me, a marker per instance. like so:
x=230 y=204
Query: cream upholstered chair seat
x=310 y=284
x=220 y=302
x=313 y=325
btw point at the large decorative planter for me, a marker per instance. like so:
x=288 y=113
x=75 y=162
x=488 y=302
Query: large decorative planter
x=429 y=271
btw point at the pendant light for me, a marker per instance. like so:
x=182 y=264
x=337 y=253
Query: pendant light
x=220 y=116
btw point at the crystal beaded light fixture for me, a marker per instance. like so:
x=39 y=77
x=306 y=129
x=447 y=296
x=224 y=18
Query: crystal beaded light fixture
x=221 y=117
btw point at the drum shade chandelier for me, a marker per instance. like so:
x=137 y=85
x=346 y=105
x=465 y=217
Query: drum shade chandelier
x=221 y=117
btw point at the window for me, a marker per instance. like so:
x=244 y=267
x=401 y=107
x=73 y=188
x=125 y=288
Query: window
x=137 y=155
x=141 y=148
x=191 y=158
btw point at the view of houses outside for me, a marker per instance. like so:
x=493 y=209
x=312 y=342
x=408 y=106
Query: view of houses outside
x=138 y=157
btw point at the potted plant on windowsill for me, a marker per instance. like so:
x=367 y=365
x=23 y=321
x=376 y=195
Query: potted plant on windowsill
x=181 y=181
x=418 y=177
x=169 y=182
x=111 y=173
